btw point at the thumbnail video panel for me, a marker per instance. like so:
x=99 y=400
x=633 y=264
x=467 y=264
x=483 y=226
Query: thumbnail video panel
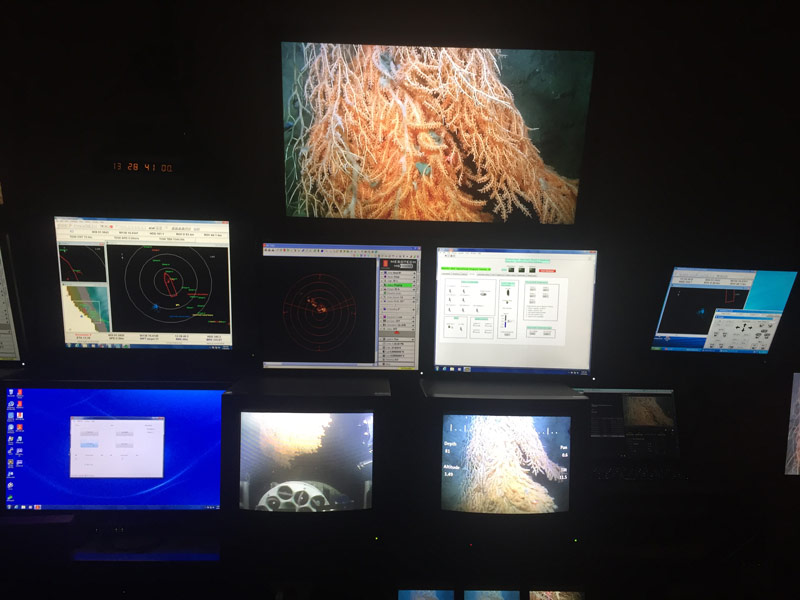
x=793 y=443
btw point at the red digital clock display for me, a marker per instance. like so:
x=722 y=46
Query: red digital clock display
x=135 y=166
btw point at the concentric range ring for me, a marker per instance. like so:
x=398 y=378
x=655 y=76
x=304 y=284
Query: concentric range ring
x=170 y=287
x=319 y=312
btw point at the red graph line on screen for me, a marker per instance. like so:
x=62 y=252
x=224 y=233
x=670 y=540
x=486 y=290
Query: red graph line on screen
x=70 y=268
x=169 y=283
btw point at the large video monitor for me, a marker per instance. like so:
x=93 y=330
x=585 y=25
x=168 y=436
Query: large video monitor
x=555 y=595
x=112 y=449
x=506 y=464
x=433 y=133
x=516 y=311
x=491 y=595
x=425 y=595
x=305 y=462
x=340 y=306
x=9 y=344
x=722 y=310
x=144 y=283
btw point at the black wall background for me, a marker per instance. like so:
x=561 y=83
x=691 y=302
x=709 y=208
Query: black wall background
x=688 y=161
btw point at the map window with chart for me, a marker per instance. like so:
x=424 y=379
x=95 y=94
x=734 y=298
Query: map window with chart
x=144 y=283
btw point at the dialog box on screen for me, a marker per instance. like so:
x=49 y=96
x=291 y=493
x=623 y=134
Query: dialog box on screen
x=107 y=447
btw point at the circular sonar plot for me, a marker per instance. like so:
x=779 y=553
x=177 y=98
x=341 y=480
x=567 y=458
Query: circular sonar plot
x=168 y=285
x=319 y=312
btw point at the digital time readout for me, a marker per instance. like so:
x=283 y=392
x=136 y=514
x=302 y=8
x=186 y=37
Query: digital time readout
x=143 y=166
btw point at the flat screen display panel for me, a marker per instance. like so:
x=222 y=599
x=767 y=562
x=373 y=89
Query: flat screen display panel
x=505 y=464
x=490 y=595
x=425 y=595
x=340 y=306
x=305 y=462
x=722 y=310
x=9 y=346
x=793 y=443
x=525 y=311
x=144 y=283
x=112 y=449
x=433 y=133
x=555 y=595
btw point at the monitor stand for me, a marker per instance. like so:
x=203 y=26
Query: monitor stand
x=499 y=390
x=315 y=386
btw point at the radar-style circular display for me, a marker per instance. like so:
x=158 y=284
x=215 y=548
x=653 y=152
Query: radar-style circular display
x=319 y=312
x=168 y=286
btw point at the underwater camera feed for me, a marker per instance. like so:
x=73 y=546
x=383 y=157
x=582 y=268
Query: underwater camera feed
x=305 y=462
x=556 y=596
x=490 y=595
x=505 y=464
x=425 y=595
x=648 y=411
x=433 y=134
x=793 y=444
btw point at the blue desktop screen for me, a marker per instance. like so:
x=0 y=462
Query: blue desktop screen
x=112 y=449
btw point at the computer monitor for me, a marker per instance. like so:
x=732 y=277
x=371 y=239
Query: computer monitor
x=340 y=306
x=793 y=443
x=9 y=319
x=433 y=133
x=639 y=424
x=555 y=595
x=514 y=311
x=425 y=595
x=305 y=462
x=112 y=449
x=722 y=310
x=144 y=283
x=506 y=464
x=490 y=595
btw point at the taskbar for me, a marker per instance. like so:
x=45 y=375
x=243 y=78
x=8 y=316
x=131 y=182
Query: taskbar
x=150 y=346
x=111 y=507
x=521 y=370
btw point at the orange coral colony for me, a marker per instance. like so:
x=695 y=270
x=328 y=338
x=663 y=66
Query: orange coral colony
x=415 y=133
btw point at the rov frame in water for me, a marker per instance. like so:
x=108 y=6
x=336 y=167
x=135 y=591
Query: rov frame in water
x=305 y=462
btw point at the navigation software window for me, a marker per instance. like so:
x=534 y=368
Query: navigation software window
x=144 y=283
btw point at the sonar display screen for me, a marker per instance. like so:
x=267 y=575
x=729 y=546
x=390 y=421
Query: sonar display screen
x=144 y=283
x=505 y=464
x=305 y=462
x=341 y=306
